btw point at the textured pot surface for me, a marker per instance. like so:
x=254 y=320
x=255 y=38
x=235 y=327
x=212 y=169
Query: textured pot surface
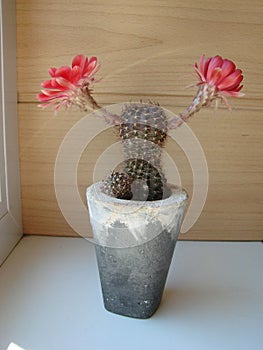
x=134 y=247
x=133 y=279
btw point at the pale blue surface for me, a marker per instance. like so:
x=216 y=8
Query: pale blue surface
x=50 y=299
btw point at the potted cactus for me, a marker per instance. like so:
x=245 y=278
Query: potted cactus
x=135 y=213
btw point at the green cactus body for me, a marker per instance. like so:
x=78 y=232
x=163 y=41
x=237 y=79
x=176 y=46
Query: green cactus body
x=145 y=121
x=143 y=131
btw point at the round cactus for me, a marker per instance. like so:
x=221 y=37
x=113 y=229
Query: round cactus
x=118 y=185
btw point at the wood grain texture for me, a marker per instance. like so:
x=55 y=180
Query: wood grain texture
x=147 y=50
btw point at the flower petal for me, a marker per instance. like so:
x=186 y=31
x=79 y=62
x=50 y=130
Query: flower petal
x=91 y=68
x=52 y=71
x=215 y=62
x=199 y=73
x=75 y=75
x=215 y=76
x=228 y=67
x=64 y=72
x=47 y=84
x=65 y=84
x=202 y=63
x=80 y=61
x=234 y=93
x=231 y=81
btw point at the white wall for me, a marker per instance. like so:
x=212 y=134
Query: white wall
x=10 y=207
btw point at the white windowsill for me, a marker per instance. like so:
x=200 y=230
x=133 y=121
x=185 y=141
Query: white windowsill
x=50 y=299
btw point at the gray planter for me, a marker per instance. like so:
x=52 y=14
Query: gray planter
x=134 y=244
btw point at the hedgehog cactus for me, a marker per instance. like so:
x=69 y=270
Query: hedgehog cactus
x=142 y=127
x=143 y=131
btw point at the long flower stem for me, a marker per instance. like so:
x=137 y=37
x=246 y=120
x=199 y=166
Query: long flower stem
x=205 y=95
x=88 y=103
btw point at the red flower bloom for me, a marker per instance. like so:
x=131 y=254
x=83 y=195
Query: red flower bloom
x=221 y=74
x=218 y=78
x=69 y=85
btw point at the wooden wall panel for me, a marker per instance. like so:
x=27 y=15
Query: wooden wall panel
x=147 y=50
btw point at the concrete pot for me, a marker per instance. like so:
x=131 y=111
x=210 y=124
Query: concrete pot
x=134 y=244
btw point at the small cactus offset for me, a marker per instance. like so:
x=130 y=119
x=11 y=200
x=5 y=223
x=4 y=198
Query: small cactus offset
x=149 y=183
x=118 y=185
x=142 y=127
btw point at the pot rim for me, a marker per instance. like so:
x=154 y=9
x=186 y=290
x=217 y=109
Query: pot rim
x=178 y=195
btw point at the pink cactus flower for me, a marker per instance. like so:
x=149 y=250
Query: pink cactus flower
x=70 y=85
x=218 y=79
x=221 y=75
